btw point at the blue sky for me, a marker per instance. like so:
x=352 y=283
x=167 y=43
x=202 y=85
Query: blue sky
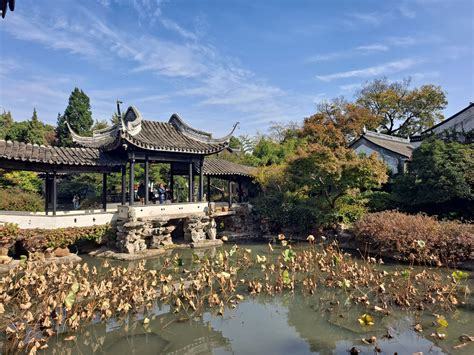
x=218 y=62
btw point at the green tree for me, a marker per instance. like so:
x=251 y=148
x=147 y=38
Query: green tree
x=35 y=134
x=235 y=143
x=78 y=114
x=440 y=179
x=318 y=185
x=27 y=181
x=100 y=125
x=50 y=134
x=115 y=119
x=6 y=121
x=402 y=110
x=18 y=132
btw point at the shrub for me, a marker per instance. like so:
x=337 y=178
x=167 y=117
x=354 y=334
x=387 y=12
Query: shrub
x=62 y=237
x=14 y=199
x=418 y=238
x=40 y=239
x=439 y=181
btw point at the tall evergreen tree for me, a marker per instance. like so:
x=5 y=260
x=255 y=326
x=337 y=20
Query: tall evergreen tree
x=78 y=114
x=6 y=121
x=35 y=134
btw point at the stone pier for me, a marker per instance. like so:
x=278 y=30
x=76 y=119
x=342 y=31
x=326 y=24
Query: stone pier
x=138 y=229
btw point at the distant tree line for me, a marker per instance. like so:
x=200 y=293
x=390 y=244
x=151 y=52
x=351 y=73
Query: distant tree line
x=310 y=179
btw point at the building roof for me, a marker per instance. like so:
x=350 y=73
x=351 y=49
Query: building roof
x=221 y=167
x=33 y=153
x=427 y=131
x=172 y=136
x=398 y=145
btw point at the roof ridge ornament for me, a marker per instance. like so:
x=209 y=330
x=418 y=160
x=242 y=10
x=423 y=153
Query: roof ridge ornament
x=132 y=121
x=103 y=138
x=197 y=134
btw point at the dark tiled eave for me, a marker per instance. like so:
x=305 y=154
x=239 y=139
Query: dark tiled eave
x=55 y=156
x=220 y=167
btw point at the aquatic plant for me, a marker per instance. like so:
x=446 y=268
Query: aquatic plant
x=36 y=302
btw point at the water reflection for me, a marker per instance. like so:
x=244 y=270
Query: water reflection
x=165 y=333
x=286 y=324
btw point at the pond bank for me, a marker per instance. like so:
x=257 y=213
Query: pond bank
x=304 y=288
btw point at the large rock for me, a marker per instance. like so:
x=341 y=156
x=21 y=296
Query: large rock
x=60 y=252
x=211 y=230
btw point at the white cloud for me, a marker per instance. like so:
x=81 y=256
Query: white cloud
x=210 y=78
x=372 y=18
x=326 y=57
x=350 y=87
x=373 y=48
x=407 y=11
x=49 y=34
x=173 y=26
x=377 y=70
x=402 y=41
x=105 y=3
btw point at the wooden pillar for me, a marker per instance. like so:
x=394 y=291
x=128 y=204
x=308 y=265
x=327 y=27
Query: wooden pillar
x=131 y=196
x=208 y=188
x=172 y=185
x=191 y=183
x=147 y=180
x=229 y=184
x=46 y=193
x=240 y=191
x=124 y=185
x=201 y=181
x=55 y=194
x=104 y=191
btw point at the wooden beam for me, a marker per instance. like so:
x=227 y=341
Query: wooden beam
x=58 y=168
x=229 y=187
x=165 y=157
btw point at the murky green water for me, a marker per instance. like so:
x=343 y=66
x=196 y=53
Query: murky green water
x=286 y=324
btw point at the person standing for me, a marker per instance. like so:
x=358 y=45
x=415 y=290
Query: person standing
x=76 y=202
x=161 y=194
x=141 y=193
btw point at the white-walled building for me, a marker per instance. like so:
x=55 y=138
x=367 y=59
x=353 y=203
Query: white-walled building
x=394 y=151
x=397 y=151
x=462 y=121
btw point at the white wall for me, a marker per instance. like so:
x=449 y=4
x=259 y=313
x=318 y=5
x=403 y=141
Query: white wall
x=165 y=210
x=464 y=120
x=389 y=160
x=40 y=220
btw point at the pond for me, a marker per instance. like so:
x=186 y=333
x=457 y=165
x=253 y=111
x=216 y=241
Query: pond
x=285 y=323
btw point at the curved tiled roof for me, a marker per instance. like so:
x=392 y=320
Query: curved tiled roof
x=401 y=148
x=223 y=167
x=34 y=153
x=398 y=145
x=164 y=136
x=172 y=136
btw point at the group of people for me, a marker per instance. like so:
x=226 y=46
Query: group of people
x=160 y=194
